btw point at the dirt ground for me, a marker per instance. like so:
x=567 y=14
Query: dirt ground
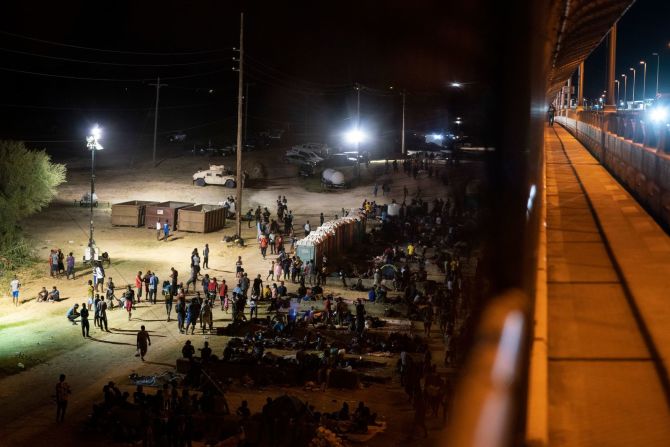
x=37 y=335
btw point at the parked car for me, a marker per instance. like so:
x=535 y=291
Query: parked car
x=306 y=153
x=300 y=159
x=215 y=175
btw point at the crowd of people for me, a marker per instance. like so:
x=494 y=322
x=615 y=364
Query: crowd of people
x=421 y=233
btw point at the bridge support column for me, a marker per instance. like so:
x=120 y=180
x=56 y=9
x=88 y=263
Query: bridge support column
x=610 y=106
x=580 y=88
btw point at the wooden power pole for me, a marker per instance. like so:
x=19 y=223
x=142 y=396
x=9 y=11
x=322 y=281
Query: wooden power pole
x=240 y=176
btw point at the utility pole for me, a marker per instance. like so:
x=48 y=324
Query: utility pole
x=240 y=177
x=246 y=109
x=158 y=92
x=402 y=135
x=358 y=125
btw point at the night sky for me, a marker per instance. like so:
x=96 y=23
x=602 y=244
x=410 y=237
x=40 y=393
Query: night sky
x=302 y=62
x=641 y=31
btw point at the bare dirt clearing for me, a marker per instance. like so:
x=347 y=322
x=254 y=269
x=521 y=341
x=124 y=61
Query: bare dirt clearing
x=38 y=335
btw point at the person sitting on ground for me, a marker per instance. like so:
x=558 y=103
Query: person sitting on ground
x=73 y=313
x=205 y=353
x=42 y=295
x=54 y=295
x=188 y=350
x=243 y=411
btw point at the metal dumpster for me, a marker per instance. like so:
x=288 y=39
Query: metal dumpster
x=164 y=211
x=201 y=218
x=130 y=214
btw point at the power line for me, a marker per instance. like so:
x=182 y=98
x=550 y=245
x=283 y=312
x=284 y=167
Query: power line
x=102 y=50
x=102 y=109
x=84 y=78
x=121 y=64
x=294 y=78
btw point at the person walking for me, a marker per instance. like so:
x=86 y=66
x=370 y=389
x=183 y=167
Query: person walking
x=205 y=257
x=159 y=229
x=145 y=280
x=85 y=326
x=143 y=343
x=63 y=392
x=69 y=264
x=307 y=228
x=166 y=230
x=321 y=219
x=15 y=285
x=264 y=245
x=99 y=276
x=128 y=301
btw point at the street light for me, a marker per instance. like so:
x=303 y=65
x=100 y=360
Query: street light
x=456 y=84
x=634 y=72
x=93 y=145
x=644 y=82
x=658 y=69
x=618 y=90
x=625 y=89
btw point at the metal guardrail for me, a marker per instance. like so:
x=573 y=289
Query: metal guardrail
x=635 y=152
x=490 y=401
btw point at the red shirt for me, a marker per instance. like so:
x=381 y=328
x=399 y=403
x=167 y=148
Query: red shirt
x=223 y=289
x=212 y=286
x=138 y=282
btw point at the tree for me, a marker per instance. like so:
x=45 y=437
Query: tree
x=28 y=182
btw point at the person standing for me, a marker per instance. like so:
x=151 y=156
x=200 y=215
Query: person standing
x=138 y=286
x=85 y=326
x=166 y=230
x=69 y=263
x=223 y=295
x=99 y=276
x=146 y=279
x=264 y=245
x=206 y=317
x=63 y=392
x=143 y=342
x=307 y=228
x=54 y=263
x=90 y=292
x=321 y=219
x=102 y=315
x=159 y=230
x=15 y=285
x=205 y=257
x=153 y=287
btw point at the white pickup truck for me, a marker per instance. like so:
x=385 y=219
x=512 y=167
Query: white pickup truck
x=215 y=175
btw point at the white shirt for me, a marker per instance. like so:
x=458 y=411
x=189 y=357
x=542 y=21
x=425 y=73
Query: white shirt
x=15 y=284
x=306 y=227
x=158 y=225
x=98 y=272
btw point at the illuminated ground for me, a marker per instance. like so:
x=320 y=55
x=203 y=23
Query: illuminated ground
x=38 y=336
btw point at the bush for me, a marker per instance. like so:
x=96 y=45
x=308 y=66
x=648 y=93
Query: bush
x=28 y=182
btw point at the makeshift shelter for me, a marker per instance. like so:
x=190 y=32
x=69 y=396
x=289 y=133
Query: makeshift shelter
x=201 y=218
x=130 y=214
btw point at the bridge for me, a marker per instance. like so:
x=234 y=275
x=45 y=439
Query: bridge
x=574 y=349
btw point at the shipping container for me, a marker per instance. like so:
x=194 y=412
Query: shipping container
x=201 y=218
x=164 y=211
x=130 y=214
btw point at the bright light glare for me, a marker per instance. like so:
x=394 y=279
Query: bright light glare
x=437 y=136
x=456 y=84
x=659 y=114
x=96 y=132
x=354 y=136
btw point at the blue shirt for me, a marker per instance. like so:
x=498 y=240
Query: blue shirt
x=166 y=228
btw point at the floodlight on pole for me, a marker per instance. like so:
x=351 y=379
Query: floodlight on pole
x=355 y=136
x=93 y=145
x=456 y=84
x=634 y=73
